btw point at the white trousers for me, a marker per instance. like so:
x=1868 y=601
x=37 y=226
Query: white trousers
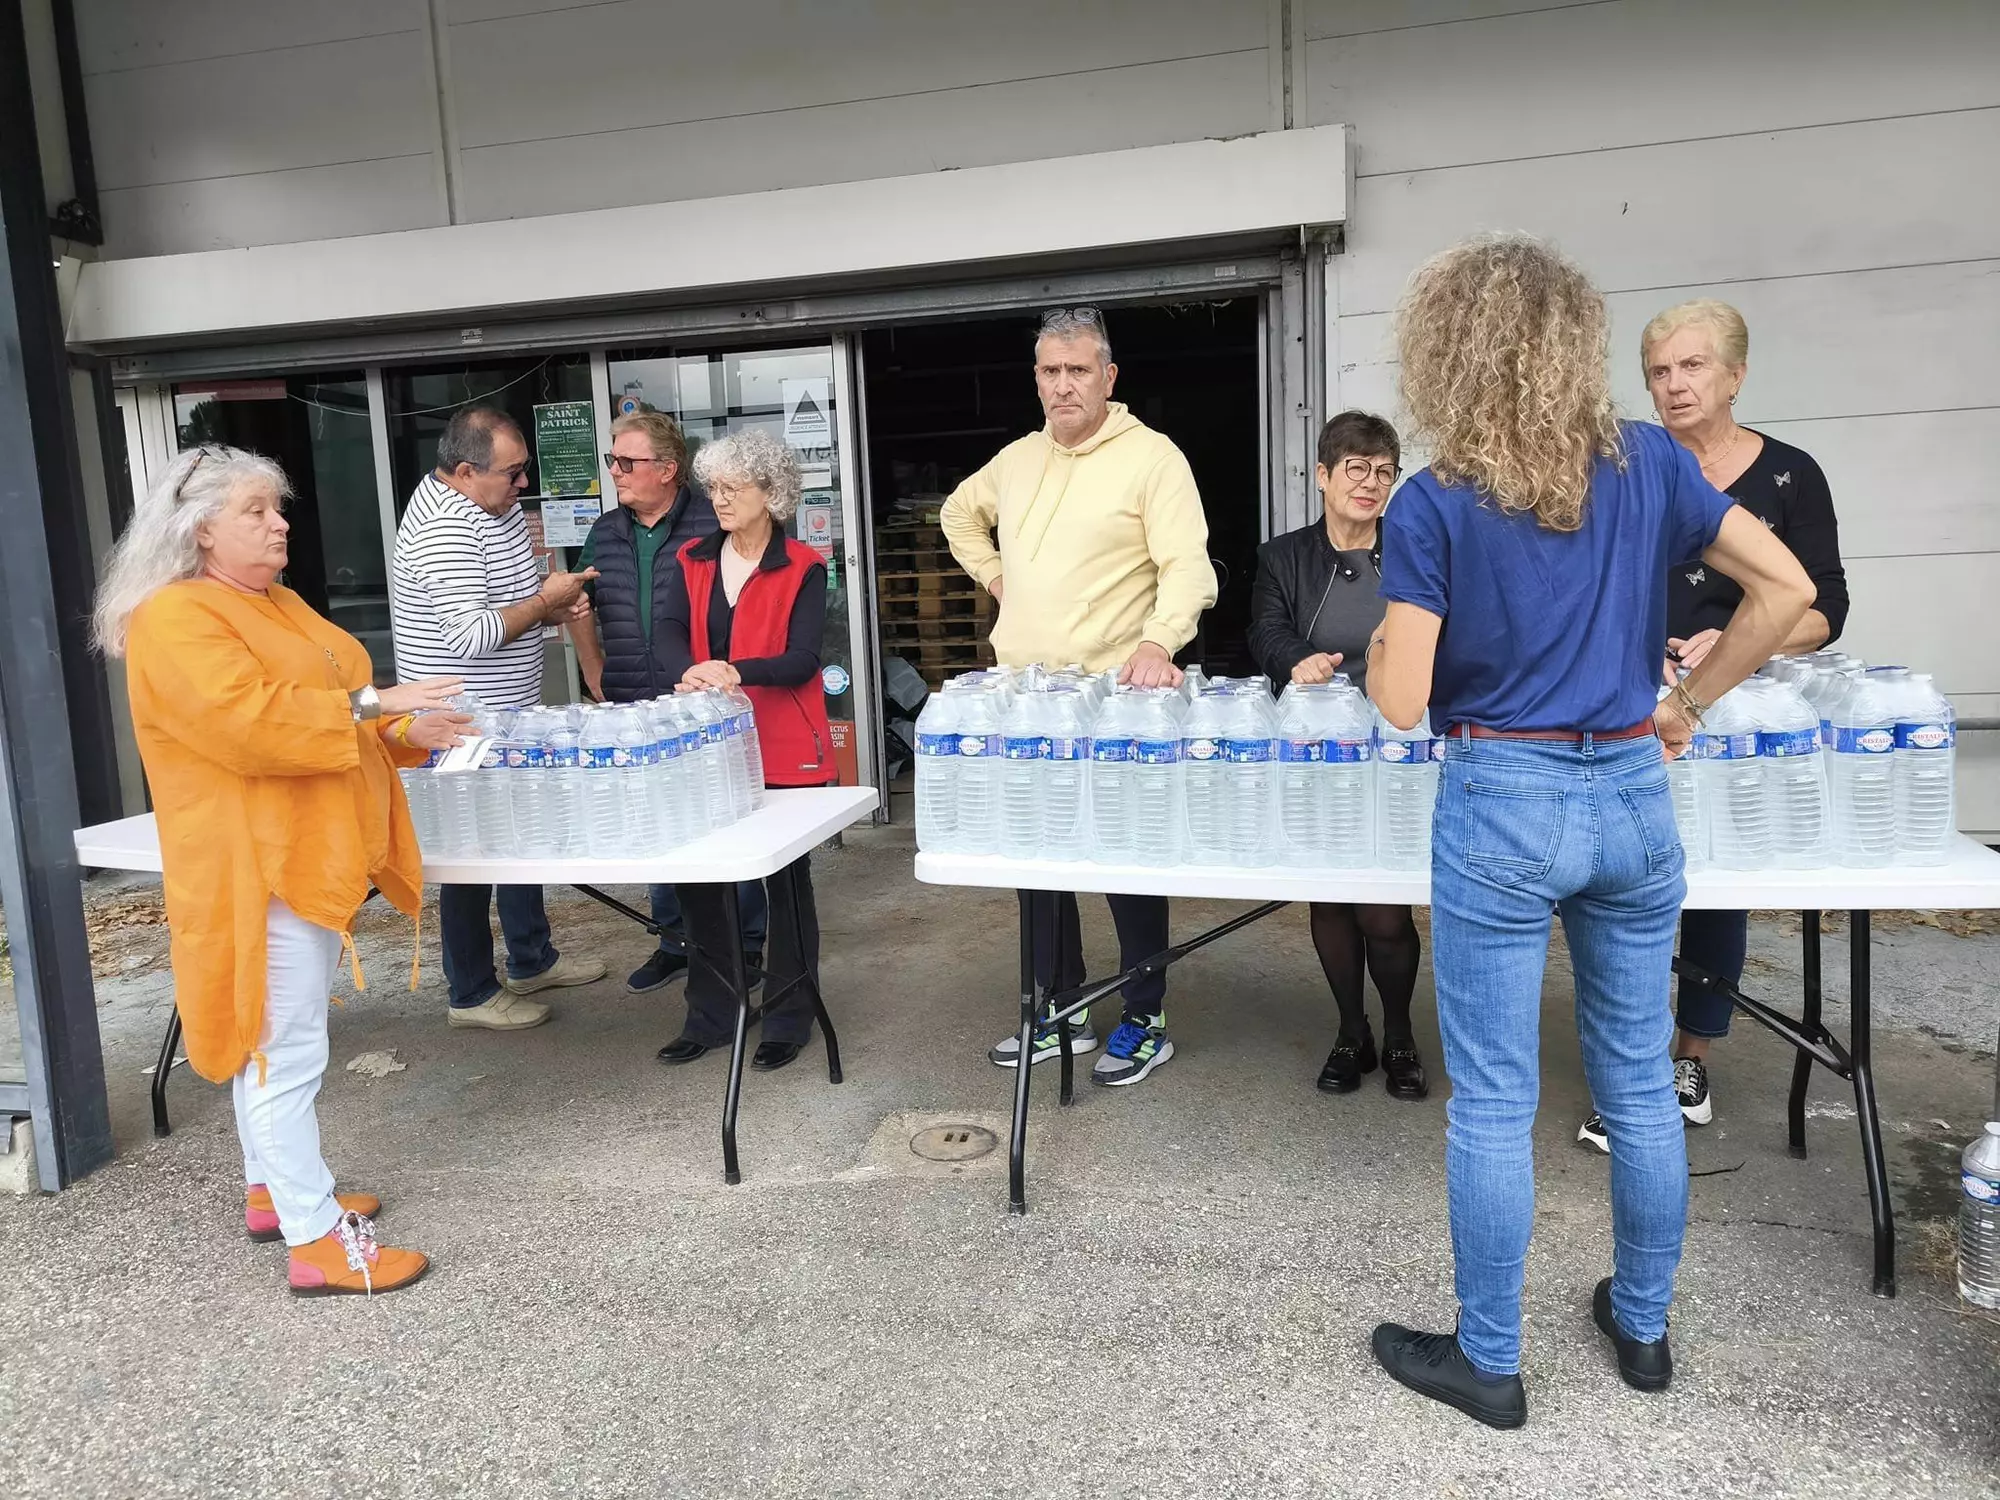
x=275 y=1119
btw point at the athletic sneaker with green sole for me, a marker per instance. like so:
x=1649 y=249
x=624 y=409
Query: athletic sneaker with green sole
x=1006 y=1053
x=1134 y=1050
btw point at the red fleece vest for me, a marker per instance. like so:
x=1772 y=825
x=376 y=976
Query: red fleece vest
x=791 y=721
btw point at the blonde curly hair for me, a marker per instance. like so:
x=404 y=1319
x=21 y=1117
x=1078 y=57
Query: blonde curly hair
x=1503 y=348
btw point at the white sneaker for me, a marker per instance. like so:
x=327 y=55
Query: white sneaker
x=1006 y=1053
x=1691 y=1088
x=506 y=1011
x=558 y=975
x=1591 y=1133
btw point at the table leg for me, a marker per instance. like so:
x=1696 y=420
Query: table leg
x=1017 y=1149
x=739 y=985
x=1860 y=1050
x=162 y=1069
x=1059 y=936
x=1810 y=1022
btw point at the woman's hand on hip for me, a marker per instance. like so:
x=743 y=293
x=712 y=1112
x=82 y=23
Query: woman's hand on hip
x=1675 y=732
x=709 y=674
x=421 y=696
x=1318 y=667
x=438 y=731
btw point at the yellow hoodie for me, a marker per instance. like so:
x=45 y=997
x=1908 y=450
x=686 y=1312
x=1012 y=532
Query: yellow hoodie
x=1102 y=545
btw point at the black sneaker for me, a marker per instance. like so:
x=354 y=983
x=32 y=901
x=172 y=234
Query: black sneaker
x=1646 y=1367
x=1691 y=1088
x=1432 y=1364
x=1591 y=1133
x=655 y=971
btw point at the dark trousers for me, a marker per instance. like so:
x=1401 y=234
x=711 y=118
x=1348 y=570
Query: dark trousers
x=1715 y=942
x=1142 y=932
x=464 y=915
x=756 y=911
x=791 y=949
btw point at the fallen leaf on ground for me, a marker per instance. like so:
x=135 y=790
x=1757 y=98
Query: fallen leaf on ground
x=377 y=1064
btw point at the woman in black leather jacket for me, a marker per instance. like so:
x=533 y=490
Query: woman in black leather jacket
x=1313 y=608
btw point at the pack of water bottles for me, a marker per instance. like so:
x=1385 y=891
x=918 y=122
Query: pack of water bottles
x=1063 y=765
x=599 y=781
x=1820 y=760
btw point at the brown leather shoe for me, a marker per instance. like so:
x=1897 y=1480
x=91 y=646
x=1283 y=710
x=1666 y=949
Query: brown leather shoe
x=260 y=1216
x=347 y=1261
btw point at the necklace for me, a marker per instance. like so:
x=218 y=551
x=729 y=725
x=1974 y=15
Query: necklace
x=1707 y=464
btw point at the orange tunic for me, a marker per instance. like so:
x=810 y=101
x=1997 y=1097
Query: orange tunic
x=263 y=785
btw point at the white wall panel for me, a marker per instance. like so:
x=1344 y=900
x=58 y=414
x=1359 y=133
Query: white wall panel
x=1741 y=208
x=301 y=107
x=371 y=197
x=124 y=34
x=1593 y=77
x=1932 y=614
x=636 y=65
x=1331 y=18
x=1905 y=486
x=1137 y=106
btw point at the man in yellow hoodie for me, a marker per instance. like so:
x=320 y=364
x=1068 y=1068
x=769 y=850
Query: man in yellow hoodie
x=1101 y=559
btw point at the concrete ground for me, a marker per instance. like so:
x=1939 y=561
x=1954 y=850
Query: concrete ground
x=1184 y=1311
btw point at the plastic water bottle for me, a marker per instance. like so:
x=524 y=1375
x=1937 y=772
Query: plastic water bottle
x=1250 y=754
x=1862 y=773
x=937 y=772
x=1066 y=774
x=420 y=791
x=1794 y=777
x=1406 y=776
x=633 y=754
x=1113 y=747
x=698 y=809
x=979 y=770
x=1926 y=810
x=562 y=773
x=1155 y=807
x=1302 y=805
x=666 y=776
x=1349 y=777
x=1738 y=809
x=1024 y=752
x=1205 y=776
x=492 y=810
x=604 y=791
x=528 y=784
x=736 y=727
x=752 y=746
x=1979 y=1220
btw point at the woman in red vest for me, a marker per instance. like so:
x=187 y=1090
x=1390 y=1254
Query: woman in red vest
x=751 y=612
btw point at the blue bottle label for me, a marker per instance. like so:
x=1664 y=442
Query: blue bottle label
x=1068 y=747
x=1347 y=752
x=979 y=744
x=1112 y=752
x=1203 y=749
x=1411 y=752
x=713 y=733
x=1302 y=752
x=667 y=749
x=1849 y=741
x=564 y=757
x=621 y=755
x=1785 y=744
x=1704 y=747
x=1156 y=752
x=1246 y=752
x=1980 y=1189
x=937 y=744
x=1927 y=736
x=598 y=757
x=691 y=741
x=1732 y=746
x=1025 y=747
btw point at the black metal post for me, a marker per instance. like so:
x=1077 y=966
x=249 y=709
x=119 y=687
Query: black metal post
x=1861 y=1052
x=169 y=1045
x=40 y=484
x=1017 y=1150
x=739 y=986
x=1795 y=1112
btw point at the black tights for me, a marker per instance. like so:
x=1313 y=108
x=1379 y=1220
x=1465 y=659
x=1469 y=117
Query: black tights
x=1387 y=937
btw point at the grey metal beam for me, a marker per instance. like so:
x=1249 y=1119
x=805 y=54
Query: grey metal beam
x=39 y=878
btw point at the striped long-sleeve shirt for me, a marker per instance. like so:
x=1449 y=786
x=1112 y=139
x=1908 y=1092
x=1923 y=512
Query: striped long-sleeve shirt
x=455 y=568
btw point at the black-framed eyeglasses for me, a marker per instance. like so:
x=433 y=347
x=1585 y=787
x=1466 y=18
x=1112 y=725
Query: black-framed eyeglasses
x=1360 y=470
x=1056 y=316
x=514 y=472
x=623 y=464
x=181 y=488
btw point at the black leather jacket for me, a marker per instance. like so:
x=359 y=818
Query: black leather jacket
x=1293 y=611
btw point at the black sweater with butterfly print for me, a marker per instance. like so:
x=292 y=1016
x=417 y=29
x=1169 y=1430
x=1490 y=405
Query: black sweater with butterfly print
x=1785 y=490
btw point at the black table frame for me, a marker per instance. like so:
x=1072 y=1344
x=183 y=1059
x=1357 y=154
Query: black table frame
x=730 y=967
x=1045 y=913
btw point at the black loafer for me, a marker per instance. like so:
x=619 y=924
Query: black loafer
x=1403 y=1073
x=1432 y=1364
x=655 y=972
x=681 y=1050
x=1646 y=1367
x=772 y=1056
x=1346 y=1064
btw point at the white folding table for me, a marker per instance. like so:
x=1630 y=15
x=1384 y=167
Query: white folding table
x=770 y=842
x=1970 y=879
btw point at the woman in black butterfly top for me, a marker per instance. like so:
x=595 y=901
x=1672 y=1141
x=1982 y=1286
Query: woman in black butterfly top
x=1312 y=612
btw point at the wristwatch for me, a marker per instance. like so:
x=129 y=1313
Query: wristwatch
x=366 y=704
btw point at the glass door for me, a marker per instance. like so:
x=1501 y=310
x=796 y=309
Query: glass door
x=796 y=393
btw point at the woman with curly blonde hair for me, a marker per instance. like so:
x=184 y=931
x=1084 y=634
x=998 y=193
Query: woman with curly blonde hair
x=1525 y=571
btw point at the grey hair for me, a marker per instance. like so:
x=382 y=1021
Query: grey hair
x=1075 y=323
x=160 y=544
x=468 y=437
x=755 y=456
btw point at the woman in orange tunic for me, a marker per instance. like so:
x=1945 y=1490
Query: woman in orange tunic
x=272 y=763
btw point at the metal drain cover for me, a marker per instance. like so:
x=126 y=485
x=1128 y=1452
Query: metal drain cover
x=953 y=1142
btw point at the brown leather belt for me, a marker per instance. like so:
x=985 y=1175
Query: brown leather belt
x=1639 y=731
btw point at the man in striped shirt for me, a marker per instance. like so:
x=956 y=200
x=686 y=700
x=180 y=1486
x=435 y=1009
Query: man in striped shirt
x=466 y=599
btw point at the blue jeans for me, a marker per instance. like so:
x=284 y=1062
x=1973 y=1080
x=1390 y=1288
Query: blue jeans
x=1522 y=828
x=750 y=893
x=1714 y=942
x=468 y=938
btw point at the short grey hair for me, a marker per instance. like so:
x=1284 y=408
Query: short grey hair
x=468 y=437
x=1074 y=323
x=159 y=546
x=753 y=456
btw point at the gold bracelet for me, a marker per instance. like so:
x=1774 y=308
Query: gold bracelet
x=1691 y=707
x=402 y=733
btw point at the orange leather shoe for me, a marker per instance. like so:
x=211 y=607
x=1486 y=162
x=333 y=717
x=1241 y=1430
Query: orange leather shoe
x=348 y=1261
x=260 y=1217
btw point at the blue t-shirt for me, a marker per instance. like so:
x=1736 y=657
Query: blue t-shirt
x=1546 y=629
